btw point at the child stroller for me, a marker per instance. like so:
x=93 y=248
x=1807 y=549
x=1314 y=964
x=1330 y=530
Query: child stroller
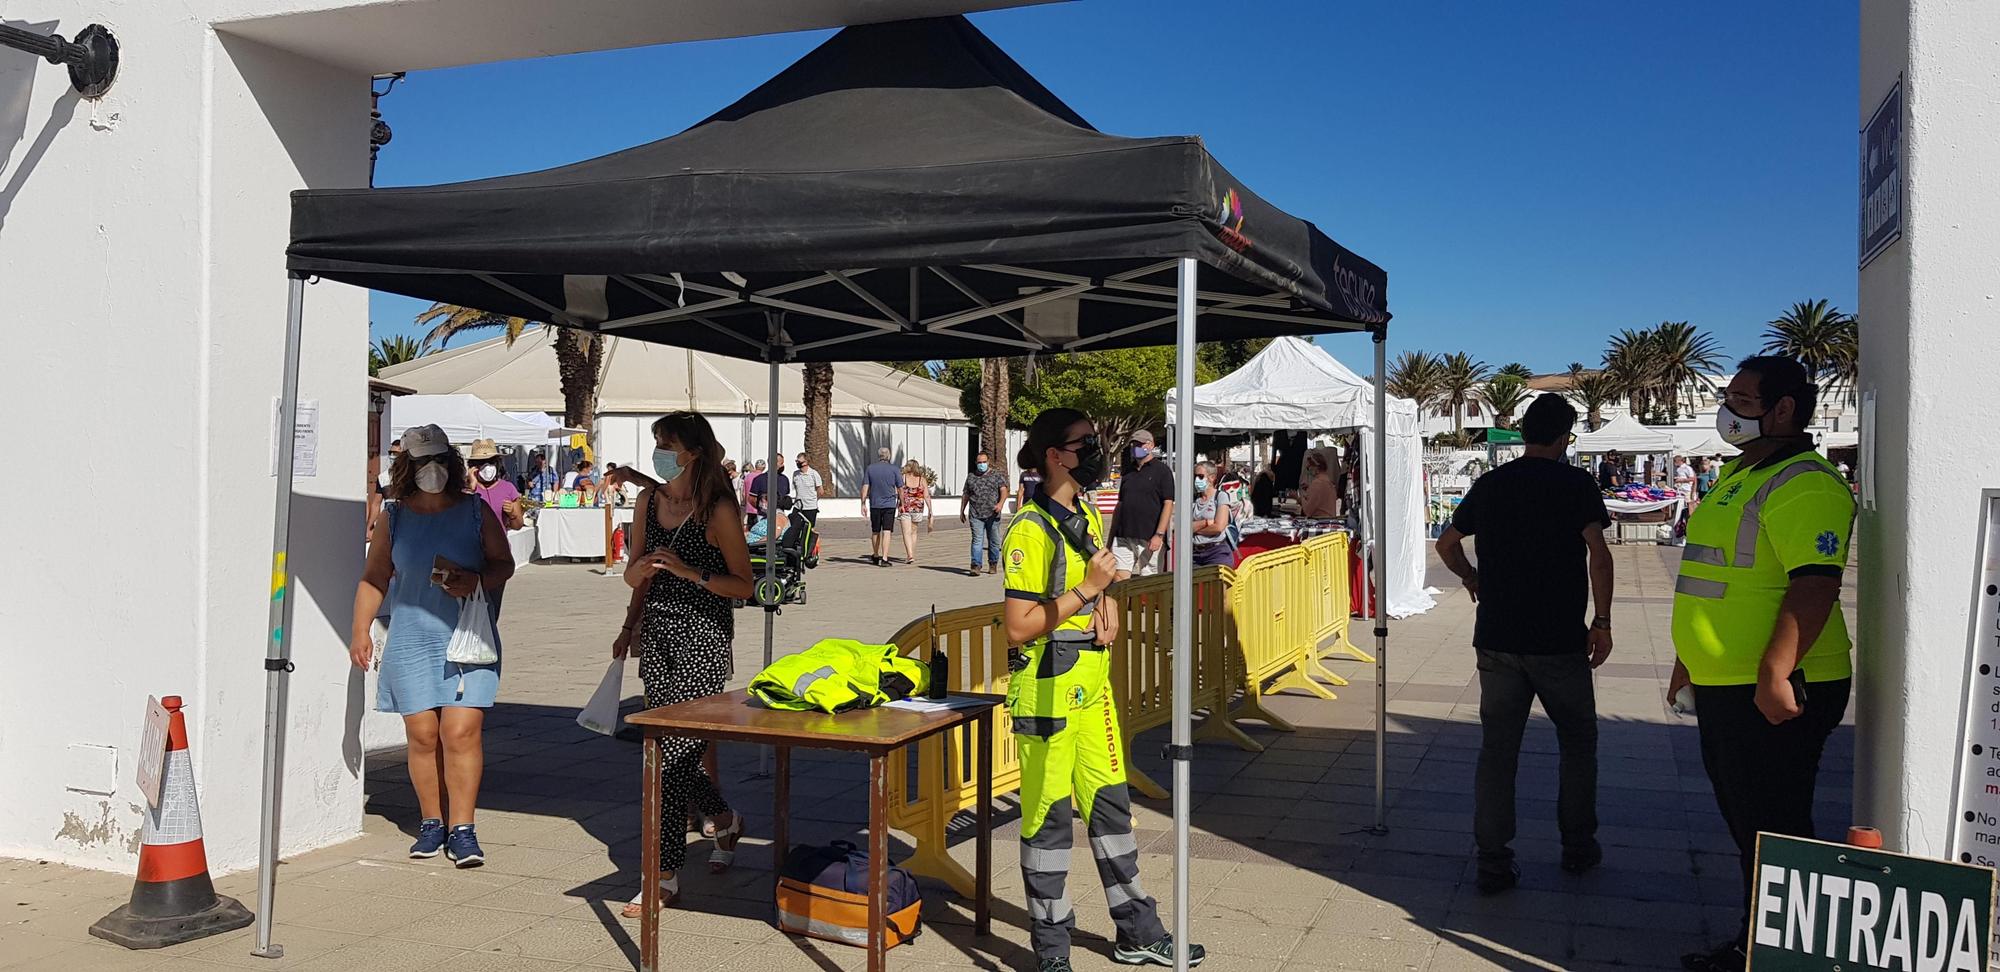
x=798 y=552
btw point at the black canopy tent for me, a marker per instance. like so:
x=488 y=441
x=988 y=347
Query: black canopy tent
x=905 y=191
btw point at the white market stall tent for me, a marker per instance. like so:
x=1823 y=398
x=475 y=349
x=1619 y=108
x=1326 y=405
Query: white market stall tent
x=1623 y=433
x=874 y=405
x=1294 y=384
x=463 y=419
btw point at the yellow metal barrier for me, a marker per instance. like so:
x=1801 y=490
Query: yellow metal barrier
x=1327 y=563
x=1276 y=616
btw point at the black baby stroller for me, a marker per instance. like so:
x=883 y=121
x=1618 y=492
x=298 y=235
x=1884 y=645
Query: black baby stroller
x=798 y=552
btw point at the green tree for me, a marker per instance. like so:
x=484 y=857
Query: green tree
x=390 y=351
x=818 y=392
x=1223 y=357
x=1632 y=369
x=579 y=354
x=1460 y=376
x=1823 y=338
x=1122 y=391
x=1516 y=369
x=995 y=397
x=1593 y=390
x=1505 y=393
x=1685 y=358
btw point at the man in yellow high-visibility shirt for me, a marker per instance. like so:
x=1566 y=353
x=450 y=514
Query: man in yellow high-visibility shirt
x=1758 y=632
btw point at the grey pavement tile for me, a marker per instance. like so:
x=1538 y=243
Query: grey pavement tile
x=301 y=944
x=381 y=955
x=461 y=927
x=93 y=957
x=1350 y=953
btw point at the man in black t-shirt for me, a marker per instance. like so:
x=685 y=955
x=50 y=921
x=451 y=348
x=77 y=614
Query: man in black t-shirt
x=1145 y=510
x=1539 y=524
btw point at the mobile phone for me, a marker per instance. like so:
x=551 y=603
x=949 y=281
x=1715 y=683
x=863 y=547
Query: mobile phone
x=1798 y=680
x=440 y=569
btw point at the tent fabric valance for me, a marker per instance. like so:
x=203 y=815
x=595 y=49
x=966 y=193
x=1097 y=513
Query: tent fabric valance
x=463 y=419
x=1623 y=433
x=904 y=183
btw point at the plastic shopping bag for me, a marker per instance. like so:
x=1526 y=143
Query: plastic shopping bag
x=600 y=714
x=472 y=641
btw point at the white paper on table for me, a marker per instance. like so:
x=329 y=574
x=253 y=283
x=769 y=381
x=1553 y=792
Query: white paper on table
x=947 y=704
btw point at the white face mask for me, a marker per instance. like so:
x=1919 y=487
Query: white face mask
x=432 y=477
x=382 y=479
x=488 y=474
x=1736 y=429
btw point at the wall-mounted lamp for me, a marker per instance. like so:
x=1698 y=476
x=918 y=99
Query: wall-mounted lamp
x=378 y=130
x=92 y=57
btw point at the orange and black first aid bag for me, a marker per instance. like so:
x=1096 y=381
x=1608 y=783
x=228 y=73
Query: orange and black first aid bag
x=823 y=893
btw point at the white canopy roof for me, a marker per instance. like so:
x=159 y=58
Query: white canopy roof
x=1713 y=446
x=1838 y=440
x=463 y=419
x=648 y=379
x=1293 y=384
x=1624 y=434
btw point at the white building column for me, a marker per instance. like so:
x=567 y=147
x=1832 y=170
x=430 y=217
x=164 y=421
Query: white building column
x=1930 y=345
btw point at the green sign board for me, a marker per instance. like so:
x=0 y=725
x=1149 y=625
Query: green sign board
x=1835 y=908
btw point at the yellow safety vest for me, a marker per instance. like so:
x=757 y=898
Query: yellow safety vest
x=1755 y=528
x=1040 y=566
x=1063 y=674
x=838 y=674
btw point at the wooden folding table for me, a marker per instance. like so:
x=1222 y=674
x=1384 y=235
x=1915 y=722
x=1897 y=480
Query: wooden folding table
x=880 y=732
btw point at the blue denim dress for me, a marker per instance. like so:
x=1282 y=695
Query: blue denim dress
x=415 y=676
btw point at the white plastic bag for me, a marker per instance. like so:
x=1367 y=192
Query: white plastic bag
x=600 y=714
x=472 y=641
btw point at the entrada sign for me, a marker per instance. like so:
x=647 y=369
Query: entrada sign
x=1835 y=908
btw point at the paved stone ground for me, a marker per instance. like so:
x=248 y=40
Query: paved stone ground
x=1284 y=874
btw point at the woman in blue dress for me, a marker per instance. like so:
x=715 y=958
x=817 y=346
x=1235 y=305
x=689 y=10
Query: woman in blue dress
x=432 y=546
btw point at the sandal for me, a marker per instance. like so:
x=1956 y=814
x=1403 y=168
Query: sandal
x=720 y=860
x=670 y=894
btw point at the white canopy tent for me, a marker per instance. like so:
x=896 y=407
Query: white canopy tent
x=1713 y=446
x=1624 y=434
x=463 y=419
x=1294 y=384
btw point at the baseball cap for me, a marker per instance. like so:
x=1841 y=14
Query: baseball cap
x=425 y=440
x=1143 y=437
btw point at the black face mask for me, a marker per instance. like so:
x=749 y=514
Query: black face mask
x=1089 y=466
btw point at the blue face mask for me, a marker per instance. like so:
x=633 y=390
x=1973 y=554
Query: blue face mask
x=667 y=463
x=982 y=467
x=1200 y=485
x=1140 y=452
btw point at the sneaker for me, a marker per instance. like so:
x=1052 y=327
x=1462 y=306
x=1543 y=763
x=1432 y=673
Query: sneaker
x=1580 y=859
x=1158 y=953
x=1727 y=957
x=430 y=837
x=462 y=847
x=1055 y=965
x=1498 y=880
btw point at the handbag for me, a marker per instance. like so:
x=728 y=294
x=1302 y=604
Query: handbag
x=823 y=893
x=472 y=640
x=600 y=714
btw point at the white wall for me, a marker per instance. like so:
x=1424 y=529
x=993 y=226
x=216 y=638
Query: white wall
x=142 y=239
x=1928 y=351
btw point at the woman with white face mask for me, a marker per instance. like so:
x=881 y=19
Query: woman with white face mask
x=497 y=490
x=433 y=545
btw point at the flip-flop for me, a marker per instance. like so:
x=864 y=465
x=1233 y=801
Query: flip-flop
x=722 y=857
x=670 y=894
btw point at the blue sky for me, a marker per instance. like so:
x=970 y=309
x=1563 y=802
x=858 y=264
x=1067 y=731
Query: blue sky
x=1532 y=175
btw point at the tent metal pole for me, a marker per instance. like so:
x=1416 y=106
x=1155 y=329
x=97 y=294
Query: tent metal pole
x=1380 y=601
x=1182 y=749
x=770 y=585
x=278 y=644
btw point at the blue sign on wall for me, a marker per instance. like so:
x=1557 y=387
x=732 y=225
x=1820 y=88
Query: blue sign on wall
x=1882 y=176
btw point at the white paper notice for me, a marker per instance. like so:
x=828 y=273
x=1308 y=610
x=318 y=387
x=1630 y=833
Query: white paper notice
x=305 y=439
x=152 y=750
x=1976 y=816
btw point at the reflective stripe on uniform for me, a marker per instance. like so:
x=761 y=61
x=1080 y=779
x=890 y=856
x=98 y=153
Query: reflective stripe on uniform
x=799 y=687
x=1044 y=859
x=1699 y=554
x=1747 y=524
x=1700 y=587
x=1058 y=557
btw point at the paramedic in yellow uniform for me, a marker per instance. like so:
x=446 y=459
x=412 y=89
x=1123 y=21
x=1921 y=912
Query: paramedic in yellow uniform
x=1757 y=625
x=1065 y=720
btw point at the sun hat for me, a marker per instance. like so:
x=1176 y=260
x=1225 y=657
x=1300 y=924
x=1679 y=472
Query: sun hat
x=483 y=449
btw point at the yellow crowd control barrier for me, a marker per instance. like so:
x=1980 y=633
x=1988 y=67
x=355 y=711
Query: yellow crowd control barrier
x=929 y=786
x=1327 y=563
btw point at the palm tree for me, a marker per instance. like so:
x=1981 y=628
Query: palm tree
x=390 y=351
x=1593 y=390
x=1460 y=375
x=1684 y=357
x=1505 y=393
x=1516 y=369
x=1823 y=338
x=579 y=354
x=1414 y=375
x=818 y=379
x=1631 y=369
x=995 y=395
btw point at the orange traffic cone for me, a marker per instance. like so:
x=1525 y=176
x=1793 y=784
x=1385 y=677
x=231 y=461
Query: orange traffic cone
x=173 y=900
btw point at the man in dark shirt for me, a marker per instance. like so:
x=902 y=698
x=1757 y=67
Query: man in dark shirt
x=1538 y=522
x=1145 y=510
x=772 y=498
x=1610 y=471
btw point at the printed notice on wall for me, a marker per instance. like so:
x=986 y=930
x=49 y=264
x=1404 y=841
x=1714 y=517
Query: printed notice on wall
x=1976 y=812
x=305 y=439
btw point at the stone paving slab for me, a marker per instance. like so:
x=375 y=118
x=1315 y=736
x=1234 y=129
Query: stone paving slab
x=1285 y=874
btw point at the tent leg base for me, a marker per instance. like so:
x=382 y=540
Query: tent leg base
x=1217 y=726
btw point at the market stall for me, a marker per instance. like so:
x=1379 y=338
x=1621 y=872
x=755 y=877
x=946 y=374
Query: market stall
x=575 y=531
x=906 y=191
x=1296 y=385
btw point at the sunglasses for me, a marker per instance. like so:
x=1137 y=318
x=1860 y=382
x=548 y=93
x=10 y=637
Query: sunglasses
x=1082 y=442
x=425 y=460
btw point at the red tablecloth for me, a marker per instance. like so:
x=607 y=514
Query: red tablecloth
x=1256 y=543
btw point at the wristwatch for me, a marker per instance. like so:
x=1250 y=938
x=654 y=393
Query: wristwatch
x=704 y=578
x=1601 y=623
